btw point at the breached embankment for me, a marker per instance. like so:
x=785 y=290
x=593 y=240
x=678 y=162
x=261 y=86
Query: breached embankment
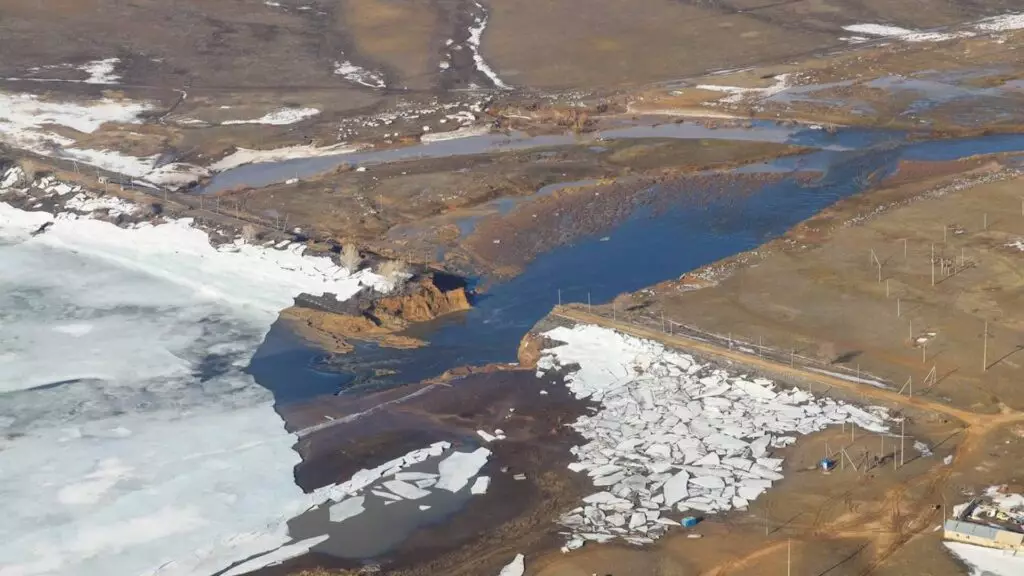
x=373 y=317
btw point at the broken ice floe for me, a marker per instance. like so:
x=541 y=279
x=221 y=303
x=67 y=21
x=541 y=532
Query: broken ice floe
x=488 y=437
x=674 y=435
x=391 y=482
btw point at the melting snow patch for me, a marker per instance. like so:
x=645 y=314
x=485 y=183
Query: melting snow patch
x=111 y=204
x=101 y=71
x=514 y=568
x=359 y=75
x=987 y=561
x=464 y=132
x=904 y=34
x=23 y=116
x=1002 y=23
x=246 y=156
x=280 y=117
x=476 y=32
x=737 y=94
x=673 y=434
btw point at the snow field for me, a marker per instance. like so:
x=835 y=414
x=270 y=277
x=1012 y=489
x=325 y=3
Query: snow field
x=673 y=435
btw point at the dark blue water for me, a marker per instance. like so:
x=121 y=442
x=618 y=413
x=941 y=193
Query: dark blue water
x=289 y=367
x=657 y=242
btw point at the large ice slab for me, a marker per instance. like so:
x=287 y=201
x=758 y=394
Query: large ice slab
x=457 y=469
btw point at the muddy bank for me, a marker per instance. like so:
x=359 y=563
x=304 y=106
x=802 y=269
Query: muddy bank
x=505 y=244
x=513 y=516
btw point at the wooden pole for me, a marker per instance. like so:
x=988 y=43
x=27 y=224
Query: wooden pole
x=905 y=242
x=933 y=264
x=903 y=421
x=789 y=556
x=984 y=350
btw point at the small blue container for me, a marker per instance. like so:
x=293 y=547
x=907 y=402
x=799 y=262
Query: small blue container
x=689 y=522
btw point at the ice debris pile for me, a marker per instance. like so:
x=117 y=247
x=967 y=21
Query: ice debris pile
x=392 y=483
x=674 y=435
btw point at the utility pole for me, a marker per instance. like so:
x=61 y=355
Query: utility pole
x=903 y=421
x=984 y=349
x=789 y=556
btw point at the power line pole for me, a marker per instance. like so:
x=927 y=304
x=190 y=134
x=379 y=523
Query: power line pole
x=903 y=421
x=984 y=349
x=789 y=556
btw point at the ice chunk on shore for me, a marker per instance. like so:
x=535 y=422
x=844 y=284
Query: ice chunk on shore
x=665 y=439
x=514 y=568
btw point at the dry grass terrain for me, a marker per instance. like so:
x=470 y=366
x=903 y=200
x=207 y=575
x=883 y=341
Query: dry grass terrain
x=817 y=291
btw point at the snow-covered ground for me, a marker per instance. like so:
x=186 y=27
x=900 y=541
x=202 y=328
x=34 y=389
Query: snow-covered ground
x=246 y=156
x=902 y=34
x=673 y=435
x=280 y=117
x=98 y=71
x=987 y=561
x=736 y=94
x=352 y=73
x=25 y=121
x=476 y=32
x=131 y=439
x=996 y=24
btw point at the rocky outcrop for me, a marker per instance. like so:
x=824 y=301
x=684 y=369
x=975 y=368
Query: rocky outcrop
x=375 y=320
x=420 y=301
x=530 y=349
